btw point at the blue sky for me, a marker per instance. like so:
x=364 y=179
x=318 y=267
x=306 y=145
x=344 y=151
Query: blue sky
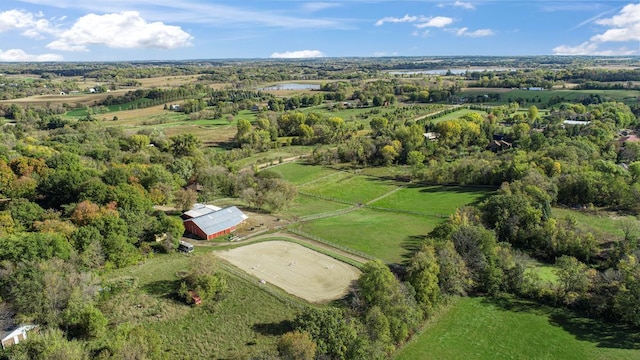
x=115 y=30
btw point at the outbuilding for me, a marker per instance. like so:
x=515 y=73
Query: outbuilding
x=215 y=223
x=15 y=336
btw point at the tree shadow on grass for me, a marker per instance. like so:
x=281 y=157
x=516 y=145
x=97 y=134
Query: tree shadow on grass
x=411 y=245
x=603 y=334
x=274 y=329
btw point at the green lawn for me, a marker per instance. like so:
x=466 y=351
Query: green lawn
x=245 y=323
x=382 y=234
x=442 y=200
x=349 y=187
x=298 y=173
x=481 y=328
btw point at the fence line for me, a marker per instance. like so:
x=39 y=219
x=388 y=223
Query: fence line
x=329 y=243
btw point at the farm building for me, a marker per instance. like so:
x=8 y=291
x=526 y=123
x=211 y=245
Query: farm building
x=199 y=210
x=212 y=224
x=16 y=335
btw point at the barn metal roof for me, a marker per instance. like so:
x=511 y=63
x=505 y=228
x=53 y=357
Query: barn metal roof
x=220 y=220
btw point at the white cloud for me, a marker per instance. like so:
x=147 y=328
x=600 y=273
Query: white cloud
x=477 y=33
x=590 y=48
x=424 y=33
x=300 y=54
x=391 y=19
x=19 y=55
x=31 y=24
x=438 y=21
x=319 y=6
x=460 y=4
x=120 y=30
x=622 y=27
x=464 y=5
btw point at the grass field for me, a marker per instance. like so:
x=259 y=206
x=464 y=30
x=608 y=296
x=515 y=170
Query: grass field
x=298 y=173
x=245 y=323
x=385 y=235
x=456 y=114
x=349 y=187
x=607 y=223
x=541 y=98
x=306 y=205
x=441 y=200
x=481 y=328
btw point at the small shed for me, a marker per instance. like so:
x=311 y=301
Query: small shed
x=15 y=336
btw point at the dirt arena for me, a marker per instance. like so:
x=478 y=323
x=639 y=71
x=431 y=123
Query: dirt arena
x=294 y=268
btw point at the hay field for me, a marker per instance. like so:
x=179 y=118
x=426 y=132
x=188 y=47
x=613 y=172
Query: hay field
x=294 y=268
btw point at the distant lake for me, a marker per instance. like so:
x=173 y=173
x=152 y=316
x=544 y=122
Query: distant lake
x=292 y=86
x=442 y=71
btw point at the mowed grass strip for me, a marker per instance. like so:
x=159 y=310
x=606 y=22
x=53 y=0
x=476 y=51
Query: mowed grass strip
x=243 y=324
x=381 y=234
x=349 y=187
x=481 y=328
x=443 y=200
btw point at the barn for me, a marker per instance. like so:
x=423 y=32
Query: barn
x=210 y=225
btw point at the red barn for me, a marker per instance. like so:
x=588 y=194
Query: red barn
x=215 y=223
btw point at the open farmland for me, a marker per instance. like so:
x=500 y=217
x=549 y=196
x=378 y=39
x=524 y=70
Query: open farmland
x=381 y=234
x=349 y=187
x=432 y=200
x=482 y=328
x=294 y=268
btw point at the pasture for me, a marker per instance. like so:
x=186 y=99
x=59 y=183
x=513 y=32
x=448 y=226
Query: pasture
x=294 y=268
x=432 y=200
x=349 y=187
x=382 y=234
x=507 y=328
x=240 y=325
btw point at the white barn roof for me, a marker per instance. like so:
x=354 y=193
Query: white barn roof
x=217 y=221
x=201 y=209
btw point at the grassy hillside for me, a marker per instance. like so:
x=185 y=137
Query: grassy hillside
x=481 y=328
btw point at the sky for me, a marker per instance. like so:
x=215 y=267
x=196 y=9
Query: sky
x=138 y=30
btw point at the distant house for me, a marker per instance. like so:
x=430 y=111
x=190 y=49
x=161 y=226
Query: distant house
x=93 y=90
x=212 y=224
x=16 y=335
x=175 y=107
x=499 y=145
x=535 y=89
x=194 y=186
x=576 y=122
x=430 y=136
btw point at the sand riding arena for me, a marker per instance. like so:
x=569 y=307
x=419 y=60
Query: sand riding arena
x=294 y=268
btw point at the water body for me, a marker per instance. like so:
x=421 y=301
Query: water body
x=291 y=86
